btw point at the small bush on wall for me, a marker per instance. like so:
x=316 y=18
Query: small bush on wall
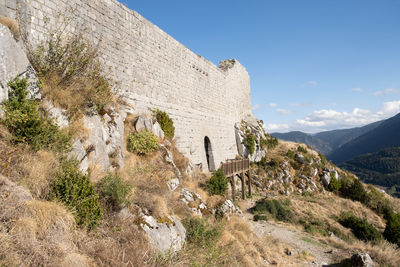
x=166 y=123
x=142 y=143
x=250 y=143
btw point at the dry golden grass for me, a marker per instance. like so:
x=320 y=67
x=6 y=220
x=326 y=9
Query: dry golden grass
x=12 y=25
x=35 y=233
x=34 y=170
x=117 y=243
x=37 y=172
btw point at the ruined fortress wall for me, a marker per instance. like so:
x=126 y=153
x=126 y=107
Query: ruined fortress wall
x=152 y=70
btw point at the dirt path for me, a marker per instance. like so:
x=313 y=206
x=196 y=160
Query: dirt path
x=300 y=242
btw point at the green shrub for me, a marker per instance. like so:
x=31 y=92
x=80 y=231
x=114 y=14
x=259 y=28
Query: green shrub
x=354 y=191
x=290 y=154
x=269 y=142
x=323 y=159
x=274 y=208
x=250 y=143
x=335 y=184
x=217 y=184
x=360 y=227
x=142 y=143
x=114 y=191
x=75 y=190
x=166 y=123
x=28 y=125
x=200 y=233
x=302 y=149
x=392 y=230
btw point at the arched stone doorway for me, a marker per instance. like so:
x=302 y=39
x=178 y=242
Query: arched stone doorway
x=209 y=154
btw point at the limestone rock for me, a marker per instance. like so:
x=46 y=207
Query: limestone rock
x=193 y=201
x=300 y=158
x=14 y=63
x=105 y=143
x=326 y=178
x=157 y=131
x=59 y=115
x=361 y=259
x=164 y=236
x=228 y=208
x=142 y=122
x=173 y=184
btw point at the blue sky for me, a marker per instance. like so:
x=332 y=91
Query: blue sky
x=314 y=64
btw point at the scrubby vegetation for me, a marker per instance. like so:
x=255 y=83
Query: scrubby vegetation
x=267 y=208
x=70 y=73
x=166 y=123
x=74 y=190
x=360 y=227
x=269 y=142
x=250 y=143
x=28 y=125
x=114 y=191
x=392 y=230
x=142 y=143
x=200 y=233
x=217 y=184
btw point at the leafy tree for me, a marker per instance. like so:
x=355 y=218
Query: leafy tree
x=392 y=230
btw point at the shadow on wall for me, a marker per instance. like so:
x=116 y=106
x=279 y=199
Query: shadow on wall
x=209 y=154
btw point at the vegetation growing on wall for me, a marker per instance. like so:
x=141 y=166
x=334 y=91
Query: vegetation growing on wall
x=250 y=143
x=70 y=73
x=27 y=124
x=166 y=123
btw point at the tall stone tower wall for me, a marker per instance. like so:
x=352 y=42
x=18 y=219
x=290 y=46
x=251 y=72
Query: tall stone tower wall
x=152 y=70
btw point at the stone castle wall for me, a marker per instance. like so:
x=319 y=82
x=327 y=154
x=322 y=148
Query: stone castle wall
x=152 y=70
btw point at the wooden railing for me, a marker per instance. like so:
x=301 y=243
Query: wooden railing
x=237 y=168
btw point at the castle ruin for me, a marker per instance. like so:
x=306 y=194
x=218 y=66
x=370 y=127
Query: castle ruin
x=153 y=70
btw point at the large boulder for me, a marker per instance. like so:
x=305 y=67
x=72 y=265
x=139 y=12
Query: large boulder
x=361 y=259
x=143 y=122
x=14 y=63
x=166 y=235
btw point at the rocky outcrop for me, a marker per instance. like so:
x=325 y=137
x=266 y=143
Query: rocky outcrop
x=228 y=209
x=193 y=201
x=104 y=144
x=242 y=131
x=167 y=235
x=14 y=63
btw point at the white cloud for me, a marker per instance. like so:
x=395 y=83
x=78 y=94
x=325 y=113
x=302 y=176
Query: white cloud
x=256 y=107
x=357 y=89
x=329 y=119
x=283 y=111
x=272 y=127
x=312 y=83
x=303 y=104
x=386 y=91
x=272 y=105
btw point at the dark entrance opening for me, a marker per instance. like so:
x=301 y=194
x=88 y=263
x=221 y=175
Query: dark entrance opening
x=209 y=154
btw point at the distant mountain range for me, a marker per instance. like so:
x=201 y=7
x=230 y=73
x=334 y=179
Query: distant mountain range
x=329 y=141
x=385 y=135
x=372 y=152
